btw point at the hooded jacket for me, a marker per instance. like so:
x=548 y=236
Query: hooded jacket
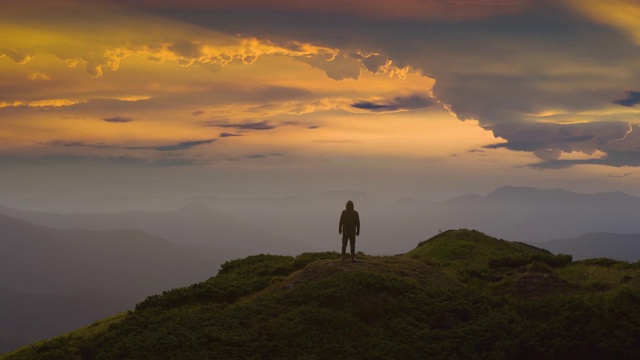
x=349 y=221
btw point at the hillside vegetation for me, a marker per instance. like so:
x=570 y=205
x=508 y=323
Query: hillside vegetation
x=460 y=295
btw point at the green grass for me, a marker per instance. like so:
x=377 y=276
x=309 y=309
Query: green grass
x=460 y=294
x=470 y=248
x=592 y=275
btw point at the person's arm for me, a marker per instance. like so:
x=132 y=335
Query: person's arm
x=357 y=224
x=341 y=223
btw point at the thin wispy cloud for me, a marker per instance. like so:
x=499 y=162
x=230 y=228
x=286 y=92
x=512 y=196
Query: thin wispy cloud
x=185 y=145
x=413 y=102
x=74 y=144
x=118 y=119
x=256 y=156
x=255 y=125
x=373 y=106
x=226 y=135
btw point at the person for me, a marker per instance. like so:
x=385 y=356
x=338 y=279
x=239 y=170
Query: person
x=349 y=227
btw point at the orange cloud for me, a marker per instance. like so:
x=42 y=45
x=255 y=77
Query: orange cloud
x=41 y=103
x=147 y=37
x=38 y=76
x=620 y=14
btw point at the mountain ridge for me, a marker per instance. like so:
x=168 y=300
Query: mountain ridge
x=513 y=301
x=48 y=267
x=620 y=246
x=52 y=254
x=307 y=223
x=192 y=224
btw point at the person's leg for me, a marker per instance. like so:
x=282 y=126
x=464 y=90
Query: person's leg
x=352 y=242
x=344 y=245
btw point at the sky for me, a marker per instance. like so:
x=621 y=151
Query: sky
x=115 y=104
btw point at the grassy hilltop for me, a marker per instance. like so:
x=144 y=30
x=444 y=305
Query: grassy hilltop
x=458 y=295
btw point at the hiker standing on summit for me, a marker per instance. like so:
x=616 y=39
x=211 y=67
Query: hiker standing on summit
x=349 y=227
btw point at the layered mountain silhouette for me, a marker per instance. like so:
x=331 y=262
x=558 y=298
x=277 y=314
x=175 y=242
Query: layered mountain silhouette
x=535 y=215
x=461 y=294
x=245 y=226
x=84 y=274
x=521 y=214
x=594 y=245
x=517 y=213
x=193 y=224
x=129 y=263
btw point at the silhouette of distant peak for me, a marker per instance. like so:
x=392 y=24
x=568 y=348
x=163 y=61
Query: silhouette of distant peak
x=513 y=193
x=508 y=192
x=465 y=199
x=346 y=194
x=616 y=195
x=196 y=208
x=8 y=220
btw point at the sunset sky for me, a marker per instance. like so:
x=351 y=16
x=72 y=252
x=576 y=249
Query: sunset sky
x=108 y=104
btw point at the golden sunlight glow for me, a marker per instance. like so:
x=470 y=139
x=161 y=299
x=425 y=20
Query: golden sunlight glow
x=132 y=98
x=621 y=14
x=41 y=103
x=576 y=155
x=146 y=86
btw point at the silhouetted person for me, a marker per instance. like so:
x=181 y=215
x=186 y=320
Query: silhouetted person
x=349 y=227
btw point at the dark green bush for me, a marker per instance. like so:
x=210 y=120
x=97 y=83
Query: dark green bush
x=513 y=262
x=604 y=262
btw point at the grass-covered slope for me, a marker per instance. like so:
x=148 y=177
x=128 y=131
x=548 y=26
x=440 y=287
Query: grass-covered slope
x=459 y=295
x=470 y=248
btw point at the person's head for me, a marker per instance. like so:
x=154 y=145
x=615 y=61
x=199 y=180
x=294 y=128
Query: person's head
x=349 y=205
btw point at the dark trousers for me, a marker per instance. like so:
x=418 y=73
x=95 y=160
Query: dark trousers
x=352 y=241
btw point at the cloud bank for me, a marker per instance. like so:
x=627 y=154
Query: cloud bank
x=543 y=78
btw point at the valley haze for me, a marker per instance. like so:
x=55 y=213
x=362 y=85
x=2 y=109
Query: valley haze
x=293 y=224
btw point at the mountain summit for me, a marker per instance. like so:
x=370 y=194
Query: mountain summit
x=461 y=294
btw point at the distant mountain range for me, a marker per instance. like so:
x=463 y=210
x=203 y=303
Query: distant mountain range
x=624 y=247
x=54 y=280
x=519 y=214
x=237 y=227
x=128 y=263
x=193 y=224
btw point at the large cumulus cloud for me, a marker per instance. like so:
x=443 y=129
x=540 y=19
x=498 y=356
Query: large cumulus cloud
x=547 y=80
